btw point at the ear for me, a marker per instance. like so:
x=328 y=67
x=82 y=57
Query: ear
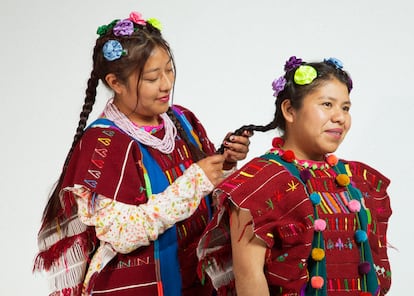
x=114 y=83
x=288 y=111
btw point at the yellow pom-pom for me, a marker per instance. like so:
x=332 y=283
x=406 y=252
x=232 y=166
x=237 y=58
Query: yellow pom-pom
x=343 y=180
x=318 y=254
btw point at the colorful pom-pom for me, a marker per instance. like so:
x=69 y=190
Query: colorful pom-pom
x=288 y=156
x=317 y=282
x=332 y=160
x=354 y=206
x=343 y=180
x=364 y=268
x=305 y=175
x=277 y=142
x=318 y=254
x=319 y=225
x=360 y=236
x=315 y=198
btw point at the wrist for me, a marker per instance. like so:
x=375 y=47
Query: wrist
x=228 y=165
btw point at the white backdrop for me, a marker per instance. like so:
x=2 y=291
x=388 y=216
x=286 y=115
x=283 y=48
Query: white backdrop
x=227 y=54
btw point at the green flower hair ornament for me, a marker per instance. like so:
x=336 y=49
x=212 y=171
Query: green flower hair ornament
x=155 y=23
x=305 y=75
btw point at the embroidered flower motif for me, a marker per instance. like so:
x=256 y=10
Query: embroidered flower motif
x=292 y=63
x=113 y=50
x=155 y=23
x=335 y=62
x=278 y=85
x=124 y=28
x=305 y=75
x=136 y=17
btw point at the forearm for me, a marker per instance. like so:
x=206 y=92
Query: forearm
x=128 y=227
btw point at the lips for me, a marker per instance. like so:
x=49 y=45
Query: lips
x=335 y=132
x=165 y=99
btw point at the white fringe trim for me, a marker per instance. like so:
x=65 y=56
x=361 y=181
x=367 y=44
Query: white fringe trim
x=50 y=236
x=69 y=270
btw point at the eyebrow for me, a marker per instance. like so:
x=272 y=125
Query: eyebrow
x=347 y=102
x=156 y=69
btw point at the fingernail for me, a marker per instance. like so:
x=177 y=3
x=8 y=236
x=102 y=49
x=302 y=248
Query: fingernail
x=231 y=138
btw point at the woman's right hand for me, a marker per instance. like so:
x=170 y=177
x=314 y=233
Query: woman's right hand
x=212 y=167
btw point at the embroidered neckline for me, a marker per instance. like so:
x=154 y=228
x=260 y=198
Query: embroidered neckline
x=318 y=275
x=289 y=156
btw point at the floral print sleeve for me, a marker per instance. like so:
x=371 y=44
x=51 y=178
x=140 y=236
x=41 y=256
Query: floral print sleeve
x=127 y=227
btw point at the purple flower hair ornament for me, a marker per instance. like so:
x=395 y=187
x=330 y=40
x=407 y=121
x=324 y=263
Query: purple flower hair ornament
x=278 y=85
x=113 y=50
x=292 y=63
x=124 y=28
x=335 y=62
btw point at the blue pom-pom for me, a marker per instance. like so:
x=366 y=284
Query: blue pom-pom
x=360 y=236
x=315 y=198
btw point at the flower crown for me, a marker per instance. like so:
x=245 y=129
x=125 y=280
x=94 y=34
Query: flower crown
x=304 y=74
x=112 y=49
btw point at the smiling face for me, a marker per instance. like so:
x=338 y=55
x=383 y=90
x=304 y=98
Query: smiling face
x=144 y=103
x=320 y=125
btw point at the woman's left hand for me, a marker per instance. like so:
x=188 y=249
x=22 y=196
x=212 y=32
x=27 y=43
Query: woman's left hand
x=235 y=148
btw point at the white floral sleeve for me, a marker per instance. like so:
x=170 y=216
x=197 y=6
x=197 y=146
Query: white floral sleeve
x=127 y=227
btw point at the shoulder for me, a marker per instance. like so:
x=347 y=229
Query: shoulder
x=182 y=111
x=258 y=181
x=366 y=176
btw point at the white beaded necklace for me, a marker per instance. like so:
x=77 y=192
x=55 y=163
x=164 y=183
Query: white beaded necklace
x=166 y=145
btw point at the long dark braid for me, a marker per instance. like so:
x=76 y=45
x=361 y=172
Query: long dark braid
x=53 y=207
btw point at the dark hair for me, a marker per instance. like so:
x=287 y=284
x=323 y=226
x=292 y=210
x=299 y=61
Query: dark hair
x=138 y=46
x=294 y=92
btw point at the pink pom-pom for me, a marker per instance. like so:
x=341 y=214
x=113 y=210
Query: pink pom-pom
x=317 y=282
x=319 y=225
x=354 y=206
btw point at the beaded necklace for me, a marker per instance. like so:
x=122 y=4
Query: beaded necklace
x=302 y=170
x=165 y=145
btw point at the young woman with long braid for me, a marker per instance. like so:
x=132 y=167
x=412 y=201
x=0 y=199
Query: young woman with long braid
x=132 y=200
x=297 y=220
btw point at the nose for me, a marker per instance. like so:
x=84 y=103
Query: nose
x=167 y=81
x=339 y=115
